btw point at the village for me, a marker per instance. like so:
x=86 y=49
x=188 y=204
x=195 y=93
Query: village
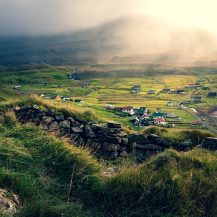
x=177 y=100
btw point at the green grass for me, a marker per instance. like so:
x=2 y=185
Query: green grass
x=39 y=168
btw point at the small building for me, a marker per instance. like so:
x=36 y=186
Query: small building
x=160 y=121
x=180 y=91
x=196 y=99
x=128 y=109
x=212 y=94
x=151 y=91
x=110 y=107
x=158 y=115
x=193 y=85
x=85 y=84
x=141 y=111
x=73 y=75
x=196 y=123
x=66 y=98
x=79 y=101
x=170 y=104
x=166 y=90
x=135 y=89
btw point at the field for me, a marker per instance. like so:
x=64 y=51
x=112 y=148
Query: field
x=108 y=85
x=54 y=178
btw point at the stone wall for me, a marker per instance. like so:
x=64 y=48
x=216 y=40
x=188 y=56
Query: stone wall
x=107 y=140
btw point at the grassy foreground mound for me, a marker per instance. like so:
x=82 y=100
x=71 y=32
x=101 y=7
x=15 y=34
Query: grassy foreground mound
x=56 y=179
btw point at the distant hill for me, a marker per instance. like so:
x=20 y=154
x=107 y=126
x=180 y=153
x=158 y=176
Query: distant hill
x=134 y=40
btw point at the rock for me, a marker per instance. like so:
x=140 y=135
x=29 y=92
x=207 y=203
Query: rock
x=88 y=132
x=64 y=124
x=123 y=154
x=50 y=113
x=111 y=147
x=115 y=140
x=9 y=202
x=54 y=126
x=44 y=126
x=35 y=107
x=124 y=141
x=47 y=119
x=113 y=155
x=59 y=117
x=113 y=125
x=106 y=140
x=77 y=130
x=210 y=143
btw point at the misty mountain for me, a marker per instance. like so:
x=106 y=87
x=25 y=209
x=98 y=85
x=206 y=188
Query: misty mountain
x=135 y=40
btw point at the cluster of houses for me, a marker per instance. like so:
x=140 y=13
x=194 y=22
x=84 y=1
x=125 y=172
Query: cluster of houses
x=63 y=98
x=141 y=116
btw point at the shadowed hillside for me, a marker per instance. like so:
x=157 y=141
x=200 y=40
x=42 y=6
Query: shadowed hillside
x=153 y=41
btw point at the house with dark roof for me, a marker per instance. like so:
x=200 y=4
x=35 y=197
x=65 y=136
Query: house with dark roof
x=158 y=115
x=180 y=91
x=135 y=89
x=73 y=75
x=166 y=90
x=141 y=111
x=151 y=91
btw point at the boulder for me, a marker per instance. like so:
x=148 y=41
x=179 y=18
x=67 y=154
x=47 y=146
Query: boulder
x=9 y=203
x=210 y=143
x=64 y=124
x=113 y=125
x=47 y=119
x=54 y=126
x=77 y=130
x=59 y=117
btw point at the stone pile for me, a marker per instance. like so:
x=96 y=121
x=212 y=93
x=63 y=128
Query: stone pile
x=148 y=145
x=107 y=140
x=9 y=203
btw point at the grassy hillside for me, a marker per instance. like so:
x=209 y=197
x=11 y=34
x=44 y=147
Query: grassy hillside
x=54 y=178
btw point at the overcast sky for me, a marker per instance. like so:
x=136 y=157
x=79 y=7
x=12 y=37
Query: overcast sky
x=39 y=17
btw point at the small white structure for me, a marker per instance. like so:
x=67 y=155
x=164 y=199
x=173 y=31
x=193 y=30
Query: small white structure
x=128 y=109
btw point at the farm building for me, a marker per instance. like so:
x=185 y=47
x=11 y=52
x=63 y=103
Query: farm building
x=128 y=109
x=170 y=104
x=180 y=91
x=73 y=75
x=166 y=90
x=141 y=111
x=85 y=84
x=196 y=99
x=151 y=92
x=79 y=101
x=158 y=115
x=160 y=121
x=212 y=94
x=135 y=89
